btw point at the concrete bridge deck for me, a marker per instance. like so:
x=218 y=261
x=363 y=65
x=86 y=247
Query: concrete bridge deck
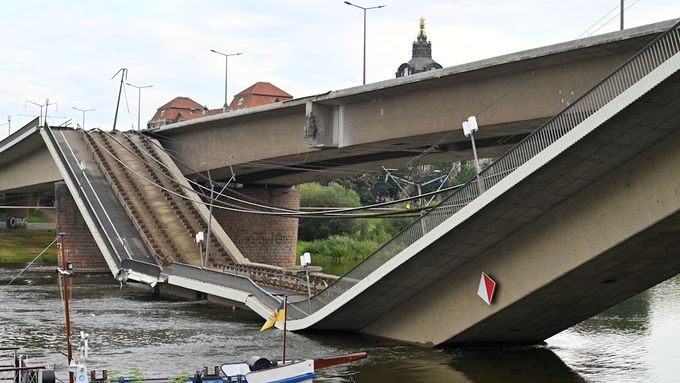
x=578 y=216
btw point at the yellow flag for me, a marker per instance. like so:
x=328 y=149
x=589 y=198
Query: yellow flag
x=277 y=315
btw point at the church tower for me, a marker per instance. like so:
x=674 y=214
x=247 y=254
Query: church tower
x=421 y=56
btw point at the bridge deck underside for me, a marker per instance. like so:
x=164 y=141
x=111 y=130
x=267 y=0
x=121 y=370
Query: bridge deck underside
x=629 y=133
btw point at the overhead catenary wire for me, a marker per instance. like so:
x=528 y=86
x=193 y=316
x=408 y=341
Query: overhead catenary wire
x=613 y=18
x=335 y=213
x=260 y=205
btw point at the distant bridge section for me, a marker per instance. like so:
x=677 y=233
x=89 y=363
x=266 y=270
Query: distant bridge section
x=389 y=122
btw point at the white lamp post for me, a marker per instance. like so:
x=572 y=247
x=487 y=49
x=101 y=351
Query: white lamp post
x=469 y=128
x=306 y=260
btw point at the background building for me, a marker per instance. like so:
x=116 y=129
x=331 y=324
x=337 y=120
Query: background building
x=421 y=60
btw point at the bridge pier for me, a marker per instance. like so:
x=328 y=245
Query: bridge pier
x=264 y=238
x=81 y=249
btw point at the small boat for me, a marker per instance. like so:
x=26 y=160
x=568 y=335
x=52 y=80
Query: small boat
x=261 y=370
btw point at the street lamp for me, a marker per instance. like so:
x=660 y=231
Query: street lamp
x=469 y=128
x=226 y=72
x=9 y=125
x=305 y=261
x=364 y=9
x=83 y=110
x=46 y=105
x=139 y=101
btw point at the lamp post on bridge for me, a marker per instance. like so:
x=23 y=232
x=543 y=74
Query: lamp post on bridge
x=139 y=101
x=83 y=110
x=469 y=128
x=226 y=74
x=9 y=125
x=46 y=105
x=364 y=9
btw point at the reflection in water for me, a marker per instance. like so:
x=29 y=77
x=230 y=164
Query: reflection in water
x=635 y=341
x=525 y=365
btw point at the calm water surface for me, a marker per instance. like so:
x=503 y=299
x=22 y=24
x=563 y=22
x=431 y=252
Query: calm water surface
x=636 y=341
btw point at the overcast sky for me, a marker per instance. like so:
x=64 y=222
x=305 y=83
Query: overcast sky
x=67 y=51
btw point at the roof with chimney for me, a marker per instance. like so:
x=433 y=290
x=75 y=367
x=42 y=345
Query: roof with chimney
x=260 y=93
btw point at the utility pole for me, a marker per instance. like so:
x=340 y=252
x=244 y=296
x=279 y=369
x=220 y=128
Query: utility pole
x=123 y=77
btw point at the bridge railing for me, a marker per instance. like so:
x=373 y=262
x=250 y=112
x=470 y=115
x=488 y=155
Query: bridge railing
x=224 y=279
x=634 y=69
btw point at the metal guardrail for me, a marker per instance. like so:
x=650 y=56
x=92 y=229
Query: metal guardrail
x=642 y=63
x=224 y=279
x=92 y=211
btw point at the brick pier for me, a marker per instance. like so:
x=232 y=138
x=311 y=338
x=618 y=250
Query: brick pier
x=81 y=249
x=264 y=238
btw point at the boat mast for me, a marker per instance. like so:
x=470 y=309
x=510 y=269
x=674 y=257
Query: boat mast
x=64 y=273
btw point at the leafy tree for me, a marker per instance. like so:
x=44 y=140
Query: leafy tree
x=333 y=195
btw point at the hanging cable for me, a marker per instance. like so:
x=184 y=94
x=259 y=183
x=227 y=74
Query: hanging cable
x=335 y=213
x=30 y=263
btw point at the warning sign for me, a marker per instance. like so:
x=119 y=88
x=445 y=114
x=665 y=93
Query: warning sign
x=487 y=286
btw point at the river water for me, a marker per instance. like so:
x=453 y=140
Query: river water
x=636 y=341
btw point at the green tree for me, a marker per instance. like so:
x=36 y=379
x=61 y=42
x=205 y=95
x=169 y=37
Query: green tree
x=331 y=196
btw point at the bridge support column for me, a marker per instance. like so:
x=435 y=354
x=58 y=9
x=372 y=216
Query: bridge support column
x=264 y=238
x=81 y=249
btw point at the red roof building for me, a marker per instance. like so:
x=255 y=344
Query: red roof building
x=184 y=108
x=179 y=109
x=260 y=93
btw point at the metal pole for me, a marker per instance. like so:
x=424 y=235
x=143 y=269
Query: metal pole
x=65 y=281
x=139 y=105
x=309 y=290
x=139 y=102
x=365 y=9
x=123 y=77
x=212 y=202
x=474 y=151
x=364 y=46
x=226 y=74
x=622 y=14
x=83 y=111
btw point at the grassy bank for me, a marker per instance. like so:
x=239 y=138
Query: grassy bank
x=20 y=246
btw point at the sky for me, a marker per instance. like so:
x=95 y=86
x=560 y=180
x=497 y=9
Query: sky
x=67 y=51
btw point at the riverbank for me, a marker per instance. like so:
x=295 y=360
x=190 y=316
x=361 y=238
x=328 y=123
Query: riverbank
x=21 y=246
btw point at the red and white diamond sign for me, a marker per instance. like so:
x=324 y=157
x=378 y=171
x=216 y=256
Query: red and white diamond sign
x=487 y=286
